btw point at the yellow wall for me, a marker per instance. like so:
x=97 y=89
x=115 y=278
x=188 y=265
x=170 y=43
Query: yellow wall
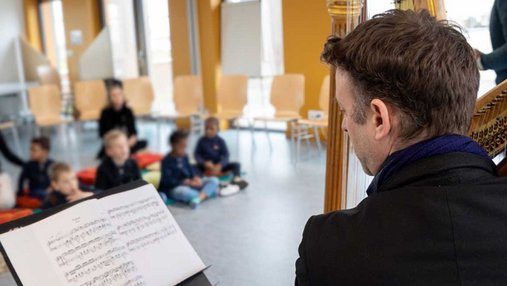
x=80 y=15
x=306 y=26
x=180 y=44
x=209 y=41
x=32 y=33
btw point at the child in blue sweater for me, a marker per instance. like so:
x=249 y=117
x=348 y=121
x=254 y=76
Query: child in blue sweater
x=212 y=155
x=179 y=181
x=34 y=176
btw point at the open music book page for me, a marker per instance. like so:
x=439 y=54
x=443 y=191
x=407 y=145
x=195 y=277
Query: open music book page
x=124 y=238
x=152 y=236
x=78 y=246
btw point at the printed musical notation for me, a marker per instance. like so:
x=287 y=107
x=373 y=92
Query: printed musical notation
x=117 y=275
x=133 y=209
x=142 y=223
x=92 y=254
x=123 y=239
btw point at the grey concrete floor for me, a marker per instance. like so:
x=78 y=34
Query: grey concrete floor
x=248 y=239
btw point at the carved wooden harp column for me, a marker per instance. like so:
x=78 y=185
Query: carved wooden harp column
x=345 y=16
x=345 y=180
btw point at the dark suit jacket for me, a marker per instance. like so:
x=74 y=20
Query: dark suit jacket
x=439 y=221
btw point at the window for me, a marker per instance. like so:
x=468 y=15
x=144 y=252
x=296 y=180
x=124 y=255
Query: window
x=158 y=52
x=271 y=63
x=143 y=47
x=119 y=17
x=473 y=16
x=53 y=33
x=379 y=6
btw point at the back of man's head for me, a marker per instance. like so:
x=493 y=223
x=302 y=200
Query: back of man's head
x=423 y=67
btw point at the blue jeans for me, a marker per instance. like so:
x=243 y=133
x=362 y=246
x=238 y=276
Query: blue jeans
x=187 y=193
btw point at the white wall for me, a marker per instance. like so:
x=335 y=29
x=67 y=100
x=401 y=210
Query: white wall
x=11 y=27
x=99 y=51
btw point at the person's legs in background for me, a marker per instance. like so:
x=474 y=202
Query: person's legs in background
x=235 y=168
x=210 y=186
x=186 y=194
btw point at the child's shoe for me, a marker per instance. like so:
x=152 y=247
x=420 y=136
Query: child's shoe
x=242 y=184
x=229 y=190
x=194 y=203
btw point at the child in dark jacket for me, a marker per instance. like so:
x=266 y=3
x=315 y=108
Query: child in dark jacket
x=116 y=168
x=179 y=181
x=64 y=186
x=212 y=155
x=34 y=175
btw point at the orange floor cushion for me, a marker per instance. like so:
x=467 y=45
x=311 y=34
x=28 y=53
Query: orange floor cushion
x=26 y=202
x=145 y=159
x=10 y=215
x=87 y=176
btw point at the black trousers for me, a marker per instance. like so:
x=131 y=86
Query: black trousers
x=233 y=167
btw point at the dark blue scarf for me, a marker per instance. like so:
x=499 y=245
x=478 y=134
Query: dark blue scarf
x=424 y=149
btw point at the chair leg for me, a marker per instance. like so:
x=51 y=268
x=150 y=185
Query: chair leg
x=298 y=143
x=236 y=122
x=252 y=132
x=317 y=138
x=159 y=145
x=16 y=139
x=307 y=136
x=293 y=135
x=267 y=135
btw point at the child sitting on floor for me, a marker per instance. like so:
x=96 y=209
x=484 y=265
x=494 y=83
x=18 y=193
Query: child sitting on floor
x=179 y=181
x=212 y=155
x=35 y=171
x=117 y=168
x=64 y=186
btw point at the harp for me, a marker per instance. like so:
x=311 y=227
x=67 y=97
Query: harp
x=341 y=166
x=346 y=182
x=489 y=124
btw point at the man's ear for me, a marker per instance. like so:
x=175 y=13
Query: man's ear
x=381 y=118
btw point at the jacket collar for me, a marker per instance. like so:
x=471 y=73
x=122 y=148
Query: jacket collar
x=437 y=167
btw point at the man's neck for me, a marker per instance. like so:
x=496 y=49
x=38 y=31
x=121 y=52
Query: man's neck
x=403 y=144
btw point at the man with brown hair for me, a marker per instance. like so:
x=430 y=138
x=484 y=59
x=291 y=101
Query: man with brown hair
x=436 y=209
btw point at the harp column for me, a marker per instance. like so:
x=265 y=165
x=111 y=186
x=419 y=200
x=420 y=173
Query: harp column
x=345 y=16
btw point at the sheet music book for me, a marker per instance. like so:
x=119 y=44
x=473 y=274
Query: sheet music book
x=125 y=236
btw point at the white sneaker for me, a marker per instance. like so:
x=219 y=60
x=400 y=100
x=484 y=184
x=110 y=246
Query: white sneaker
x=229 y=190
